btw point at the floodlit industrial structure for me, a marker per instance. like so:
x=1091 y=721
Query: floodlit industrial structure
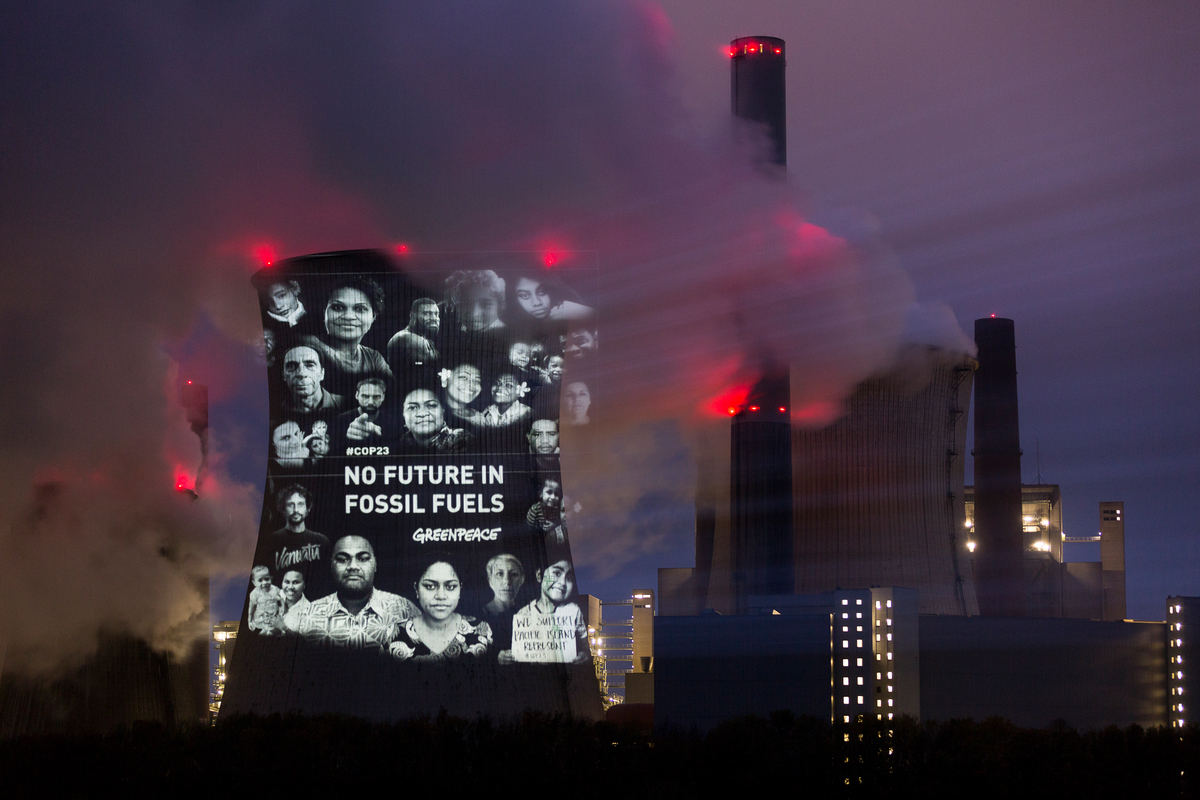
x=909 y=591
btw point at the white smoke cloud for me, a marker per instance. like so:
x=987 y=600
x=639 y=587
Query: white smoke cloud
x=150 y=149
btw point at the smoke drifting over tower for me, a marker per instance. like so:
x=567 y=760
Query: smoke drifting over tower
x=999 y=570
x=761 y=436
x=757 y=88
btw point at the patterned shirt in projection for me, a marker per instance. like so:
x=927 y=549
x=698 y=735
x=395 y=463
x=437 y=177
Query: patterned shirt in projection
x=327 y=621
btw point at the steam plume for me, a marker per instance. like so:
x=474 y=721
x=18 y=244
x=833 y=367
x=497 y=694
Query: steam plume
x=150 y=149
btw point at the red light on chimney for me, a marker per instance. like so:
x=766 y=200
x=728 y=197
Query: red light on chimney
x=993 y=316
x=782 y=410
x=264 y=254
x=754 y=408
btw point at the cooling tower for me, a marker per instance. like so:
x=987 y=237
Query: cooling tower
x=879 y=493
x=414 y=552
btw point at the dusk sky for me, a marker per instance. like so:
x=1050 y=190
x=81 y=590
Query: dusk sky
x=1037 y=161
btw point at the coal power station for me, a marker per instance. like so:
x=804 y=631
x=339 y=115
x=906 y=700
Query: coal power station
x=889 y=586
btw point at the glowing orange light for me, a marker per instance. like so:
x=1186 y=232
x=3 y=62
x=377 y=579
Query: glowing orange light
x=732 y=411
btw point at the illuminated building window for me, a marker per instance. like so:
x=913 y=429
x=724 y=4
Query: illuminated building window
x=889 y=716
x=858 y=642
x=845 y=737
x=879 y=675
x=889 y=623
x=845 y=628
x=845 y=701
x=858 y=628
x=859 y=601
x=878 y=604
x=879 y=657
x=845 y=643
x=845 y=681
x=860 y=699
x=889 y=656
x=889 y=687
x=877 y=623
x=879 y=704
x=846 y=603
x=889 y=676
x=846 y=719
x=845 y=662
x=889 y=637
x=858 y=615
x=889 y=603
x=845 y=615
x=860 y=664
x=860 y=680
x=878 y=637
x=891 y=702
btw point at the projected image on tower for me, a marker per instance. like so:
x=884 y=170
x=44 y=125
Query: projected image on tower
x=415 y=517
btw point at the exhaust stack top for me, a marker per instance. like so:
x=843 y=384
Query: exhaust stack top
x=757 y=88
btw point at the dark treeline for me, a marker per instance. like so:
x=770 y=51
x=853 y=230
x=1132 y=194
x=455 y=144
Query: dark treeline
x=537 y=756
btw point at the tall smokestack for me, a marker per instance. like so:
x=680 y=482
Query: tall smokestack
x=761 y=436
x=757 y=88
x=999 y=540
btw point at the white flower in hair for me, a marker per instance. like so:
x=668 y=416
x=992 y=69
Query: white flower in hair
x=445 y=376
x=523 y=389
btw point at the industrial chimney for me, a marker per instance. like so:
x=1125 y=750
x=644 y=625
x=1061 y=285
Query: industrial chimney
x=999 y=540
x=761 y=436
x=757 y=90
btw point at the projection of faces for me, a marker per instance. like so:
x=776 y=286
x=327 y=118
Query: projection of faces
x=369 y=396
x=551 y=494
x=282 y=298
x=505 y=578
x=518 y=355
x=532 y=296
x=293 y=587
x=558 y=582
x=581 y=343
x=354 y=566
x=318 y=440
x=423 y=414
x=302 y=373
x=543 y=437
x=481 y=303
x=425 y=318
x=348 y=315
x=287 y=441
x=438 y=591
x=554 y=368
x=577 y=402
x=295 y=510
x=465 y=384
x=504 y=390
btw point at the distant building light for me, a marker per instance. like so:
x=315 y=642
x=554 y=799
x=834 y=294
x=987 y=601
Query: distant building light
x=971 y=546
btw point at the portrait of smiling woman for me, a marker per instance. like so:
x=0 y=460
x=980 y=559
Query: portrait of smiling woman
x=439 y=633
x=351 y=310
